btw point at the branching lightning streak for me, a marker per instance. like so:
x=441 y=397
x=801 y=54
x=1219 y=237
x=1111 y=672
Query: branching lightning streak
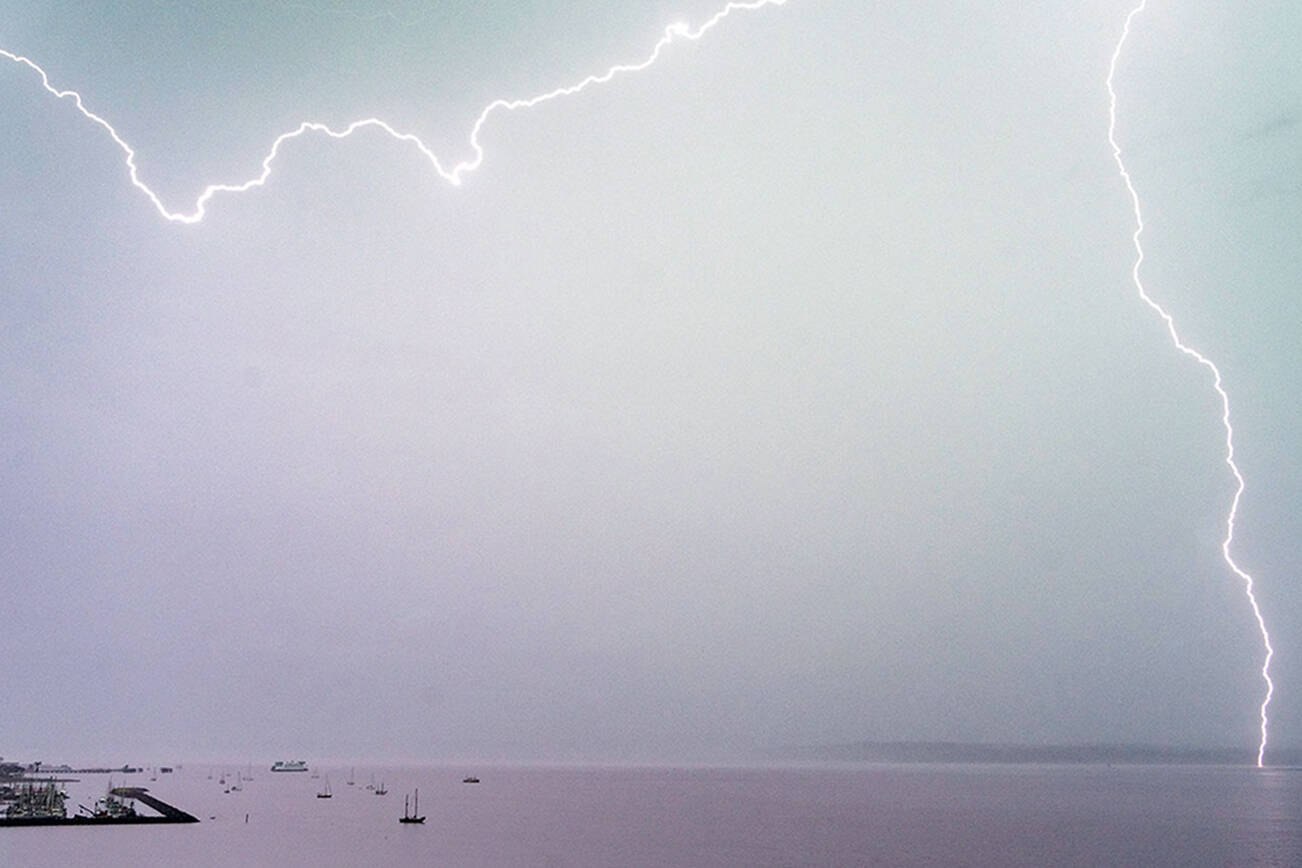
x=453 y=176
x=1205 y=362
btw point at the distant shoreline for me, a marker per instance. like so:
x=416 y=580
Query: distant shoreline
x=866 y=752
x=1013 y=754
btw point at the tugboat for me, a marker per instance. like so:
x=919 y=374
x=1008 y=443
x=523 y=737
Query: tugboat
x=112 y=805
x=412 y=815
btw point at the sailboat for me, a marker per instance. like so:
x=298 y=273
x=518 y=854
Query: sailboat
x=325 y=791
x=412 y=815
x=381 y=790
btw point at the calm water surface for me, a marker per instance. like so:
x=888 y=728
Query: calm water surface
x=861 y=815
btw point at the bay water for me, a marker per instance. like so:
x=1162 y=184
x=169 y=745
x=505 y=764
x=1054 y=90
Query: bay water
x=960 y=815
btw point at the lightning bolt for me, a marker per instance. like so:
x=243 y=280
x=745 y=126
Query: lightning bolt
x=1206 y=363
x=453 y=176
x=684 y=32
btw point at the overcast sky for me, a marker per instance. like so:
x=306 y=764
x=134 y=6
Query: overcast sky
x=791 y=391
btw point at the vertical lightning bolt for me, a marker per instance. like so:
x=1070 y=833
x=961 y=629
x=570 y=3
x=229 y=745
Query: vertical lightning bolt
x=1205 y=362
x=453 y=176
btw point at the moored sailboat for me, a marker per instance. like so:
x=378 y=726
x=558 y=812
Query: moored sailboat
x=411 y=815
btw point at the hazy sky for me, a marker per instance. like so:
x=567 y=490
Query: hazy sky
x=791 y=391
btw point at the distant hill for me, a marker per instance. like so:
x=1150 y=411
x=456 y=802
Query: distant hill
x=956 y=752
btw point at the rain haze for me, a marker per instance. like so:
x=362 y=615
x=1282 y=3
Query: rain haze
x=793 y=391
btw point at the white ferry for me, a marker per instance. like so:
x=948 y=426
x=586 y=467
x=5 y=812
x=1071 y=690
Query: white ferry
x=289 y=766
